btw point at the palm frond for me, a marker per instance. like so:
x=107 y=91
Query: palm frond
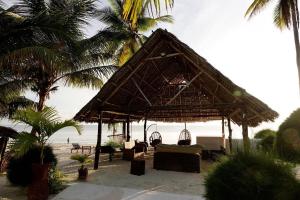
x=23 y=143
x=89 y=77
x=54 y=127
x=133 y=8
x=256 y=6
x=147 y=23
x=282 y=14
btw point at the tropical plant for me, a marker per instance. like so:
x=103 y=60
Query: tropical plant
x=19 y=171
x=83 y=159
x=43 y=42
x=264 y=133
x=286 y=15
x=45 y=123
x=267 y=139
x=250 y=176
x=288 y=138
x=132 y=9
x=124 y=38
x=113 y=144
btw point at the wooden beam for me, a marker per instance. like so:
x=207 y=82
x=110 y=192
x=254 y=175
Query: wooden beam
x=230 y=134
x=160 y=72
x=128 y=128
x=223 y=128
x=145 y=129
x=141 y=91
x=124 y=129
x=183 y=88
x=194 y=106
x=113 y=92
x=163 y=56
x=98 y=146
x=246 y=140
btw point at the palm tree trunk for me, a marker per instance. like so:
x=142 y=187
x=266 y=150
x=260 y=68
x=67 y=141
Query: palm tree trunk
x=296 y=39
x=42 y=100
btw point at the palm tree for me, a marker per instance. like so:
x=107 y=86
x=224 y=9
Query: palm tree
x=286 y=15
x=44 y=44
x=120 y=32
x=132 y=9
x=45 y=122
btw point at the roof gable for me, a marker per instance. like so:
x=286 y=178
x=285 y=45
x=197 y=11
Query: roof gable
x=168 y=81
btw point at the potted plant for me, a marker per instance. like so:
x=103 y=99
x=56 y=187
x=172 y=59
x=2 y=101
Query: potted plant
x=83 y=160
x=44 y=124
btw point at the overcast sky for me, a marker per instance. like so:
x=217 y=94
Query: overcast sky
x=253 y=54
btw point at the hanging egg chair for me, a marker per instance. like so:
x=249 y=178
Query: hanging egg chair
x=184 y=137
x=155 y=139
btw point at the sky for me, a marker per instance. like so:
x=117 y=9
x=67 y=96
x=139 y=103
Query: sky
x=254 y=54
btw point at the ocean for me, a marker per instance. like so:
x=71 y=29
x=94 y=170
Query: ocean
x=169 y=132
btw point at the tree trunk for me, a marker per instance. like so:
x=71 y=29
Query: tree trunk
x=296 y=39
x=42 y=100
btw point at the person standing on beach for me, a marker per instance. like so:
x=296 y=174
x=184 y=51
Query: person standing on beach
x=68 y=140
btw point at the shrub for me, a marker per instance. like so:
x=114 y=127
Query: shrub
x=113 y=144
x=288 y=138
x=251 y=176
x=267 y=141
x=264 y=133
x=19 y=168
x=55 y=180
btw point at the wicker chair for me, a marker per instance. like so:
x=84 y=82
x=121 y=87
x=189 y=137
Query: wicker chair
x=155 y=139
x=184 y=137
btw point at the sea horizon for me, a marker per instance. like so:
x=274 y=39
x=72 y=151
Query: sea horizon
x=169 y=132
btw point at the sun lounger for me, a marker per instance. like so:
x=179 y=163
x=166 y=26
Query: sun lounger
x=77 y=147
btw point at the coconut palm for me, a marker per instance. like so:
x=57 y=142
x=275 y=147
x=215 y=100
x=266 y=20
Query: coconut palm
x=43 y=42
x=286 y=15
x=124 y=37
x=132 y=9
x=45 y=122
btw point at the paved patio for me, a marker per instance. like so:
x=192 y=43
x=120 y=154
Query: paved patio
x=80 y=191
x=113 y=179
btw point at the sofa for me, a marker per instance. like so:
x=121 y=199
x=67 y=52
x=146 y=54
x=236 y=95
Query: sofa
x=177 y=158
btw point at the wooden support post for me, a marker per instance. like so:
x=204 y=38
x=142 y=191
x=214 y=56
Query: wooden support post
x=230 y=134
x=128 y=129
x=3 y=143
x=124 y=129
x=145 y=131
x=223 y=128
x=98 y=146
x=246 y=140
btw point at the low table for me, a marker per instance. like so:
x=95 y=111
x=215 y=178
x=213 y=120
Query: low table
x=137 y=167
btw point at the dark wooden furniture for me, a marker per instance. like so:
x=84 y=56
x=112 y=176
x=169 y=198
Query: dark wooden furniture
x=77 y=147
x=88 y=148
x=133 y=150
x=183 y=162
x=108 y=149
x=137 y=167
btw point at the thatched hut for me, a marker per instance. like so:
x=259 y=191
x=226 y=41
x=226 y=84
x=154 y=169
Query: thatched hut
x=167 y=81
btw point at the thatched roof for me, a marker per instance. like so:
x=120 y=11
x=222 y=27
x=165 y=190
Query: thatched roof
x=167 y=81
x=8 y=132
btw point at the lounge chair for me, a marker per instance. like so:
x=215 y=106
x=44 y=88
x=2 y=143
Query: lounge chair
x=76 y=147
